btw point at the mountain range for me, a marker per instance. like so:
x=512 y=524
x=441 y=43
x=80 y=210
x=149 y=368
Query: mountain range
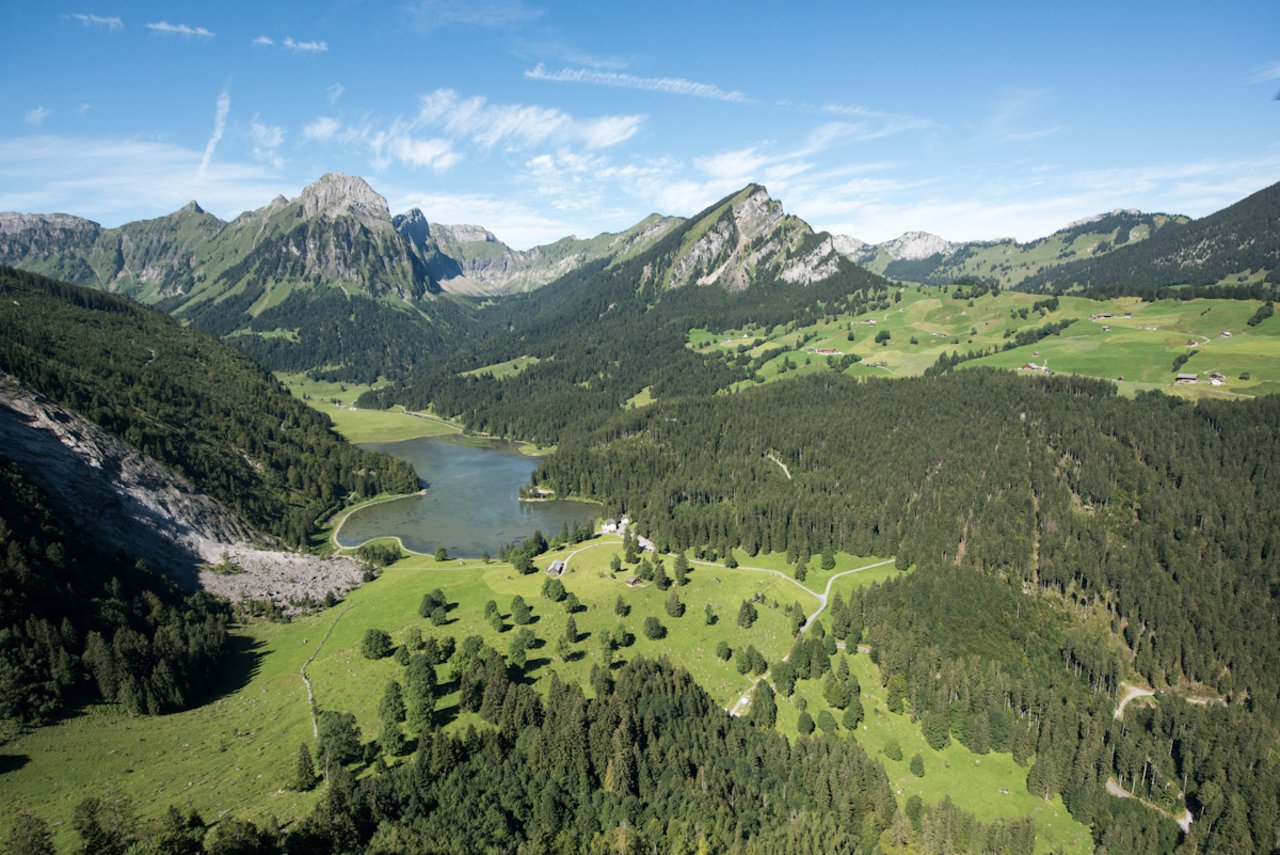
x=308 y=282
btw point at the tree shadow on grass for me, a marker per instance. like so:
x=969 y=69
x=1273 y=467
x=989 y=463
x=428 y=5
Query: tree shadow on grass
x=13 y=762
x=445 y=716
x=239 y=666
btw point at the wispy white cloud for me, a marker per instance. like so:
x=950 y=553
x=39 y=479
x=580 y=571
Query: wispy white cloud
x=267 y=140
x=398 y=142
x=1012 y=112
x=185 y=30
x=1027 y=204
x=112 y=23
x=669 y=85
x=335 y=92
x=484 y=14
x=1268 y=72
x=221 y=109
x=322 y=129
x=36 y=116
x=116 y=180
x=435 y=154
x=263 y=41
x=521 y=125
x=871 y=124
x=304 y=47
x=517 y=224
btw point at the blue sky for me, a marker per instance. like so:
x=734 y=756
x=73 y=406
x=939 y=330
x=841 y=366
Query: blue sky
x=539 y=120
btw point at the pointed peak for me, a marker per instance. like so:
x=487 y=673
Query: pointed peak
x=192 y=207
x=335 y=194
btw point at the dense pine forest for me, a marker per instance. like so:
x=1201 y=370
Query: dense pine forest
x=78 y=621
x=1147 y=530
x=188 y=400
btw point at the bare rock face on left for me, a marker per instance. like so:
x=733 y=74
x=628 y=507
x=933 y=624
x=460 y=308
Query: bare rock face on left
x=136 y=504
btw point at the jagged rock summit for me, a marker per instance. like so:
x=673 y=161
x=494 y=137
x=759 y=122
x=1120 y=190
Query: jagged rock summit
x=746 y=237
x=913 y=245
x=335 y=195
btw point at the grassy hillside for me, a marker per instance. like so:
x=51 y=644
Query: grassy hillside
x=236 y=754
x=1236 y=246
x=1136 y=346
x=1008 y=263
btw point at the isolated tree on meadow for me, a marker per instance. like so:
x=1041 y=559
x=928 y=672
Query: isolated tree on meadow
x=376 y=644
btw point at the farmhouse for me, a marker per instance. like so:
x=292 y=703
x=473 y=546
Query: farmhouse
x=555 y=568
x=1193 y=342
x=634 y=582
x=646 y=544
x=1217 y=378
x=1186 y=378
x=1224 y=334
x=609 y=526
x=826 y=351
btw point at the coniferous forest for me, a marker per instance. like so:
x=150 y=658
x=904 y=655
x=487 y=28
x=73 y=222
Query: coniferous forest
x=188 y=400
x=1151 y=522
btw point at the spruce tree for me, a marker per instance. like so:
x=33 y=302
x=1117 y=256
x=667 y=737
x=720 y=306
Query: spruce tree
x=304 y=775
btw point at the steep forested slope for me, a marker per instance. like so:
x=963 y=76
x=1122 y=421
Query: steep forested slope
x=79 y=619
x=1240 y=240
x=187 y=400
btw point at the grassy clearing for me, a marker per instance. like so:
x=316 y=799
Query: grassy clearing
x=337 y=401
x=988 y=785
x=499 y=370
x=816 y=578
x=927 y=323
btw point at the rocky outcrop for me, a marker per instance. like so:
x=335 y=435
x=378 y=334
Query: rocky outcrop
x=749 y=238
x=336 y=195
x=914 y=245
x=137 y=505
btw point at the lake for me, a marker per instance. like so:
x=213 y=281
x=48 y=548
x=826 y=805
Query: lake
x=471 y=504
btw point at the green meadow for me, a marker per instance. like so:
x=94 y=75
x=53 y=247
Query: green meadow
x=500 y=370
x=989 y=786
x=1137 y=352
x=337 y=401
x=235 y=754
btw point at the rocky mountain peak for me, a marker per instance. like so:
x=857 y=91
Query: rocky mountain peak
x=12 y=223
x=192 y=207
x=1084 y=221
x=414 y=226
x=338 y=195
x=756 y=212
x=914 y=245
x=849 y=247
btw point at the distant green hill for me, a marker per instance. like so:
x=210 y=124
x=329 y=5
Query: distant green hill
x=1237 y=248
x=1007 y=263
